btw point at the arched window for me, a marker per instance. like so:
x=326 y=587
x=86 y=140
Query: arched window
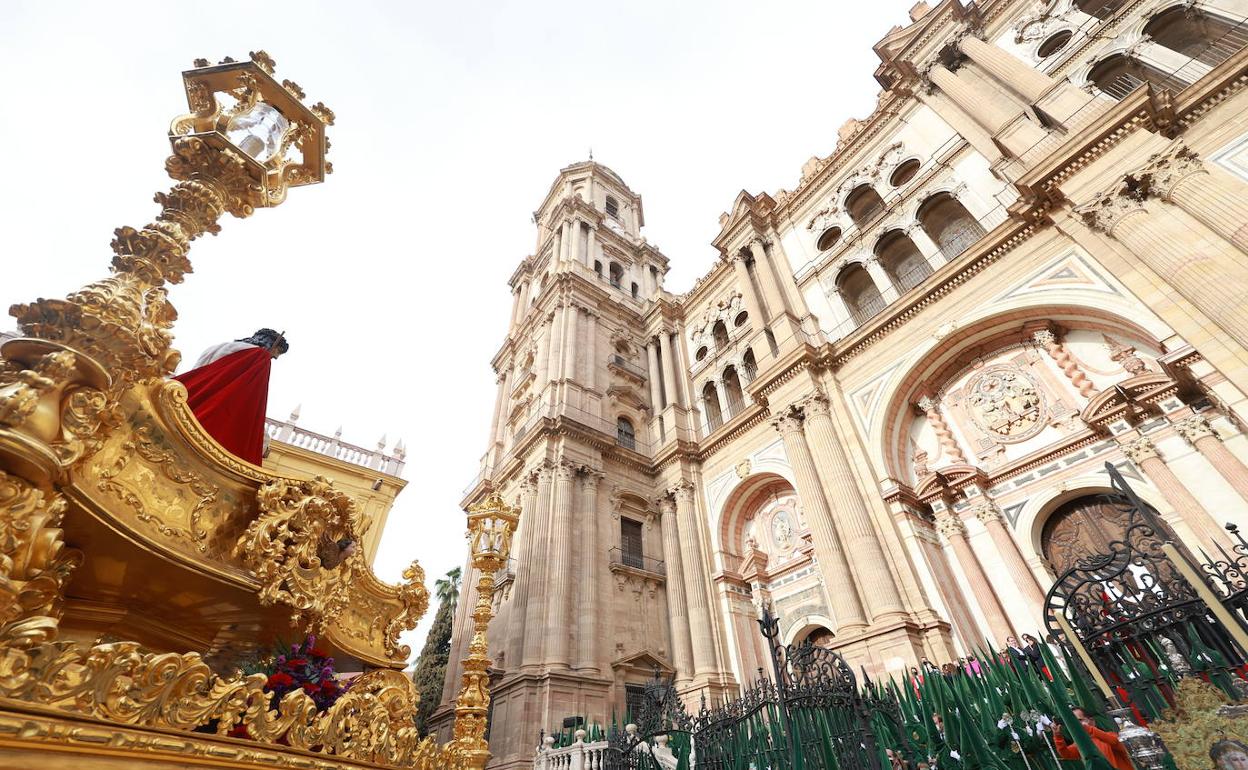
x=624 y=434
x=597 y=267
x=616 y=274
x=710 y=397
x=947 y=222
x=1055 y=43
x=613 y=208
x=864 y=204
x=720 y=332
x=860 y=293
x=749 y=367
x=904 y=173
x=633 y=289
x=902 y=260
x=732 y=391
x=1119 y=75
x=1081 y=528
x=829 y=238
x=1198 y=35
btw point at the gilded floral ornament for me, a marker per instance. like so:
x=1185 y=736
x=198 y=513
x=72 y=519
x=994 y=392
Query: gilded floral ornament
x=283 y=548
x=34 y=562
x=1198 y=720
x=117 y=683
x=414 y=598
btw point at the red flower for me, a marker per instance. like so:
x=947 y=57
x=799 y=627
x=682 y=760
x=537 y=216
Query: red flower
x=317 y=652
x=310 y=688
x=280 y=679
x=239 y=731
x=297 y=662
x=329 y=687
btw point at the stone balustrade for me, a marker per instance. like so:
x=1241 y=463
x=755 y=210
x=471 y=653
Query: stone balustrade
x=579 y=756
x=288 y=432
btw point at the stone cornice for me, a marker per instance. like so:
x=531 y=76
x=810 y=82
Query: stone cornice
x=734 y=429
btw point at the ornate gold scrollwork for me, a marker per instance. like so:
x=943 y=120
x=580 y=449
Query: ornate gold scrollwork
x=414 y=598
x=282 y=547
x=34 y=563
x=371 y=722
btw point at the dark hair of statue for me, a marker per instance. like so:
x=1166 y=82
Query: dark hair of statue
x=266 y=338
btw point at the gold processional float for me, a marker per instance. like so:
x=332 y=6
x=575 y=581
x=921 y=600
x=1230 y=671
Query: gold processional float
x=135 y=551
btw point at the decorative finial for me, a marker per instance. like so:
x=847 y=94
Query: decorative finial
x=294 y=413
x=591 y=154
x=263 y=61
x=381 y=443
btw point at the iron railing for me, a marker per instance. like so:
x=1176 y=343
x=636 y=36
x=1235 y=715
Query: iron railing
x=636 y=560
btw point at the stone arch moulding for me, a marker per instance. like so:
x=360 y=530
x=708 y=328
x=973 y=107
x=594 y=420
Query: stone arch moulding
x=729 y=520
x=803 y=625
x=1036 y=511
x=995 y=321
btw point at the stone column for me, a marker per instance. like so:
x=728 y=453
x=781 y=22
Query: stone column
x=591 y=237
x=1211 y=195
x=1007 y=548
x=459 y=627
x=724 y=406
x=1197 y=431
x=668 y=356
x=1140 y=450
x=559 y=585
x=1180 y=65
x=541 y=364
x=696 y=580
x=881 y=279
x=1008 y=69
x=771 y=286
x=500 y=407
x=981 y=591
x=930 y=408
x=961 y=121
x=535 y=611
x=842 y=587
x=591 y=350
x=677 y=605
x=681 y=362
x=983 y=108
x=1216 y=283
x=748 y=297
x=589 y=609
x=577 y=236
x=857 y=532
x=515 y=306
x=554 y=359
x=656 y=380
x=1046 y=339
x=523 y=557
x=571 y=322
x=926 y=246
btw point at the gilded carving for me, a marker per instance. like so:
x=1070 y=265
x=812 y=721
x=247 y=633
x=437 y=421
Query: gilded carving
x=414 y=600
x=372 y=722
x=34 y=562
x=283 y=548
x=1139 y=449
x=1198 y=720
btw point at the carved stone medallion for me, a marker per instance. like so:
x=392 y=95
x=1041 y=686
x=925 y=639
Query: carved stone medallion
x=1006 y=404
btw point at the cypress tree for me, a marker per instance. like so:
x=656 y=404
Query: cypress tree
x=430 y=673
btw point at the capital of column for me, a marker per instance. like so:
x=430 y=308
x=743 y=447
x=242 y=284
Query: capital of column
x=988 y=512
x=927 y=404
x=949 y=525
x=787 y=422
x=682 y=491
x=816 y=404
x=527 y=485
x=566 y=470
x=1165 y=170
x=1195 y=427
x=667 y=506
x=1108 y=209
x=544 y=472
x=1044 y=338
x=1139 y=449
x=591 y=477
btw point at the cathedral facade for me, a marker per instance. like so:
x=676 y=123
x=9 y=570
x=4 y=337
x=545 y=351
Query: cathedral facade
x=886 y=409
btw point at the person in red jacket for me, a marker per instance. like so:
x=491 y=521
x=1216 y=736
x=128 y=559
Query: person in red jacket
x=228 y=391
x=1106 y=742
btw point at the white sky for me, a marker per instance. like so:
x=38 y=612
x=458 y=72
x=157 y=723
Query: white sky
x=453 y=119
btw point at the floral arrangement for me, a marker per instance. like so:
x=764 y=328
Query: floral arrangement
x=305 y=667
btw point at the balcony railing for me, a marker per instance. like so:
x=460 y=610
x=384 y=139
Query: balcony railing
x=622 y=363
x=631 y=558
x=333 y=446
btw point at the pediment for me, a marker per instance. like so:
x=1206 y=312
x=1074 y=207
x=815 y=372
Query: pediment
x=645 y=661
x=1129 y=400
x=950 y=478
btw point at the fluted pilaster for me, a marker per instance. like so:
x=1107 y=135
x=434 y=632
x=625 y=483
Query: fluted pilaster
x=514 y=649
x=589 y=600
x=841 y=585
x=535 y=613
x=696 y=580
x=1005 y=546
x=1006 y=68
x=677 y=604
x=1197 y=431
x=1141 y=451
x=559 y=581
x=857 y=532
x=981 y=591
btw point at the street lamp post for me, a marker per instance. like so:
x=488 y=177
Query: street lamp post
x=491 y=525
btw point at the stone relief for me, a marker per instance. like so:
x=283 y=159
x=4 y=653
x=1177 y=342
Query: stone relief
x=1006 y=403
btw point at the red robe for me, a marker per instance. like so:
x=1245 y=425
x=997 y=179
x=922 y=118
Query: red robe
x=1106 y=742
x=229 y=396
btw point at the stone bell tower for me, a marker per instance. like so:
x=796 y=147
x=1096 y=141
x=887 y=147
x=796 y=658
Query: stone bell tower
x=587 y=395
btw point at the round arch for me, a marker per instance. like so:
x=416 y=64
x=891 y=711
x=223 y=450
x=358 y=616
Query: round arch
x=991 y=326
x=801 y=628
x=740 y=502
